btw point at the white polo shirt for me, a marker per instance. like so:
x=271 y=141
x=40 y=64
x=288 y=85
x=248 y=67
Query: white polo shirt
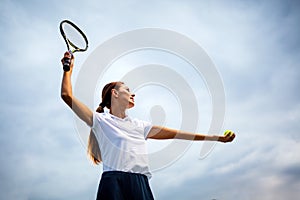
x=122 y=143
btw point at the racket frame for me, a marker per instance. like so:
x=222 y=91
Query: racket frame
x=67 y=61
x=68 y=42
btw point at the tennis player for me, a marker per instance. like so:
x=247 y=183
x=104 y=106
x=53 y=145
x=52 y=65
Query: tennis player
x=119 y=142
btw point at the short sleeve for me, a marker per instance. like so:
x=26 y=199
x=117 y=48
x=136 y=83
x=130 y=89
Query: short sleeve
x=147 y=127
x=96 y=120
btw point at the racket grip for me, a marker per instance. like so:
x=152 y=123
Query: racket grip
x=66 y=64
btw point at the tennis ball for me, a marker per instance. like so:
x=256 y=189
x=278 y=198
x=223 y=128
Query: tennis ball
x=228 y=132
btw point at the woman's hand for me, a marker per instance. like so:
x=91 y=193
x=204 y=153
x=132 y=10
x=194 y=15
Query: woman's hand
x=227 y=137
x=69 y=56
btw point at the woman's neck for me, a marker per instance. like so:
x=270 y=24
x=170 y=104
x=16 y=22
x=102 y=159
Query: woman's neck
x=118 y=112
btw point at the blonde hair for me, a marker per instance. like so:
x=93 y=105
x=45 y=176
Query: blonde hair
x=93 y=149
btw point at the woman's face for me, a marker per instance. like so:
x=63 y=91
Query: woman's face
x=125 y=96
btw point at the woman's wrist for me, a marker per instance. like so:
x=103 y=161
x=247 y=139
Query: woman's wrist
x=212 y=138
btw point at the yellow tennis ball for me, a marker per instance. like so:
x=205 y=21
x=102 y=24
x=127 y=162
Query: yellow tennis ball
x=228 y=132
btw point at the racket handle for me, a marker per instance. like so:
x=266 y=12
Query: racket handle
x=66 y=64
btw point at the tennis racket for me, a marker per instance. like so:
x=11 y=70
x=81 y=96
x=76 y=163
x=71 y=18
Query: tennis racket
x=75 y=39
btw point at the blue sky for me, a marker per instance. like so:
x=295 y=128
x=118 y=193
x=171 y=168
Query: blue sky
x=255 y=46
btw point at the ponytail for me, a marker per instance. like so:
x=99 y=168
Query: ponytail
x=100 y=108
x=93 y=149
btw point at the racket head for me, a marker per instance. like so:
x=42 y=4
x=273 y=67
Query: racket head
x=74 y=37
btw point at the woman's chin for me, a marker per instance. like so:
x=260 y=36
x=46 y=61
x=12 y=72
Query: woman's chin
x=131 y=104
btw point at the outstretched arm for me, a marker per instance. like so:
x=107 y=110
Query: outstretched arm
x=158 y=132
x=81 y=110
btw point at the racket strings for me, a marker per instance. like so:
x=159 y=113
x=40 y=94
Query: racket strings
x=75 y=38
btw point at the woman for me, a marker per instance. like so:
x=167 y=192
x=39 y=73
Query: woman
x=122 y=140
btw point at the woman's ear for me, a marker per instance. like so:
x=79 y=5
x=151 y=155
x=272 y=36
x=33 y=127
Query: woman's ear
x=114 y=92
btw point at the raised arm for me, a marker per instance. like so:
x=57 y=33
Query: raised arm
x=158 y=132
x=81 y=110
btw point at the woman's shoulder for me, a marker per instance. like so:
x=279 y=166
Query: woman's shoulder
x=100 y=116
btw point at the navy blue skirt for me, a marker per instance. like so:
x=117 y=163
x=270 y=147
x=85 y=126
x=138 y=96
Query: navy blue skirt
x=117 y=185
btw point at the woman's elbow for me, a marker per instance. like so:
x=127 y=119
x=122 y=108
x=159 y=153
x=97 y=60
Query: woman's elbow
x=67 y=98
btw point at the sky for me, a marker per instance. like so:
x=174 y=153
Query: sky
x=255 y=46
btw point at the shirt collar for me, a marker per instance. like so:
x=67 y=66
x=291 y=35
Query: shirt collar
x=126 y=118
